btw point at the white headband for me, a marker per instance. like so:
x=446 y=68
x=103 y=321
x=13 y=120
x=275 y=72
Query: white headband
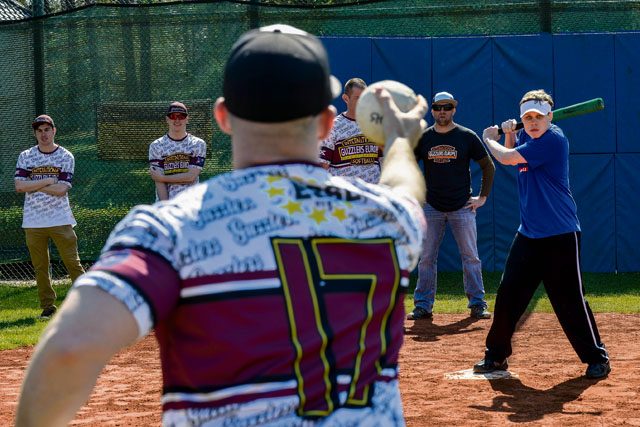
x=542 y=107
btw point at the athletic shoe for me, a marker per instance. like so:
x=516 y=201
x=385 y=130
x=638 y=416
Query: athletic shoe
x=598 y=370
x=48 y=312
x=419 y=313
x=480 y=312
x=487 y=365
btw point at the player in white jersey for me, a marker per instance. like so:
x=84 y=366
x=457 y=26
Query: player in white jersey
x=346 y=151
x=44 y=173
x=177 y=158
x=276 y=291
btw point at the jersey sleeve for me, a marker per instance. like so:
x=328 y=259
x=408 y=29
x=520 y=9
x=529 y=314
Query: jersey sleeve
x=136 y=267
x=478 y=150
x=22 y=173
x=144 y=228
x=199 y=155
x=155 y=157
x=143 y=281
x=326 y=148
x=67 y=169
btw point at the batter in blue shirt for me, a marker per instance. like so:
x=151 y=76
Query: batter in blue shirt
x=546 y=247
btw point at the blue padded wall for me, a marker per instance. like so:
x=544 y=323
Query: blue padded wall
x=405 y=60
x=627 y=79
x=349 y=57
x=592 y=179
x=627 y=207
x=584 y=69
x=489 y=75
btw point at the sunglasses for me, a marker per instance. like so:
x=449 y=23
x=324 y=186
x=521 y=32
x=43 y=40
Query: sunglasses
x=177 y=116
x=445 y=107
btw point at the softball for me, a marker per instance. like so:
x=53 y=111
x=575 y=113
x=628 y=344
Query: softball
x=369 y=114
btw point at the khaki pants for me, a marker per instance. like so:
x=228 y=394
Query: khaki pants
x=66 y=242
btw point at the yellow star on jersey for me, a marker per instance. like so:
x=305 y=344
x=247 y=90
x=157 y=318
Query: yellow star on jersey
x=318 y=215
x=273 y=178
x=339 y=213
x=273 y=191
x=293 y=207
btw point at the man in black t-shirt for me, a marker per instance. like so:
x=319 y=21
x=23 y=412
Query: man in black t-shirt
x=446 y=149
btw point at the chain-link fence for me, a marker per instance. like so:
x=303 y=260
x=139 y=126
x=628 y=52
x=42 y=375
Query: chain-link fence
x=105 y=71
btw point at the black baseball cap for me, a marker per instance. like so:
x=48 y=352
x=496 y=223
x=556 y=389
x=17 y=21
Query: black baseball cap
x=177 y=107
x=276 y=74
x=41 y=120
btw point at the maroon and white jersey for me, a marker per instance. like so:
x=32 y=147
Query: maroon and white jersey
x=40 y=209
x=349 y=153
x=276 y=293
x=172 y=156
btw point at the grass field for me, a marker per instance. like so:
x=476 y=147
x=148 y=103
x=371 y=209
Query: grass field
x=608 y=293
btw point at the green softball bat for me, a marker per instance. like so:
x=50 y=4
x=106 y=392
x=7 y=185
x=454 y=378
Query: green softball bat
x=586 y=107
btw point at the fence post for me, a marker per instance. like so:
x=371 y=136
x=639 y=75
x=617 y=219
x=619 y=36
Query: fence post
x=38 y=56
x=253 y=12
x=545 y=16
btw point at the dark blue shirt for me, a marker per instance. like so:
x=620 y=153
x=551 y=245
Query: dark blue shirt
x=547 y=207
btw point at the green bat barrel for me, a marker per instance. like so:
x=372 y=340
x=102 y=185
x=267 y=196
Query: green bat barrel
x=585 y=107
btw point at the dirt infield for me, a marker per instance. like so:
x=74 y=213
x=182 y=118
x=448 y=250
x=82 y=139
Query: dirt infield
x=549 y=391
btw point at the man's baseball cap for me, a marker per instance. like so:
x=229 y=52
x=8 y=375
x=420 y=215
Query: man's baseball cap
x=41 y=120
x=276 y=74
x=444 y=98
x=177 y=107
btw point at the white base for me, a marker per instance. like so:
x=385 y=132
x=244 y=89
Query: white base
x=468 y=374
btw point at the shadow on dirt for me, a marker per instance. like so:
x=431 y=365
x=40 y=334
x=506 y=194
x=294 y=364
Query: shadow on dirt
x=526 y=404
x=424 y=330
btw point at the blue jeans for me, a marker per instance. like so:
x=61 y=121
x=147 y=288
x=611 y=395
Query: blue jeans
x=463 y=228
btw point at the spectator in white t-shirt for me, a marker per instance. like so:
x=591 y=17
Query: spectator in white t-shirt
x=177 y=158
x=44 y=173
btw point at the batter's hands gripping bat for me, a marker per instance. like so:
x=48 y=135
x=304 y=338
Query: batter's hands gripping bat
x=586 y=107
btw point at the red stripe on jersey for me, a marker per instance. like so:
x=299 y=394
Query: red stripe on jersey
x=235 y=399
x=230 y=277
x=22 y=173
x=149 y=273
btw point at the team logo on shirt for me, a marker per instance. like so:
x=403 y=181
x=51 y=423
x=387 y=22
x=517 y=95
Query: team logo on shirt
x=443 y=153
x=176 y=163
x=43 y=172
x=358 y=150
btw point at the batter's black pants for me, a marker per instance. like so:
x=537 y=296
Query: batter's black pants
x=554 y=261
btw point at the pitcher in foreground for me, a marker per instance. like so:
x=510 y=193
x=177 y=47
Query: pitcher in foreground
x=276 y=291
